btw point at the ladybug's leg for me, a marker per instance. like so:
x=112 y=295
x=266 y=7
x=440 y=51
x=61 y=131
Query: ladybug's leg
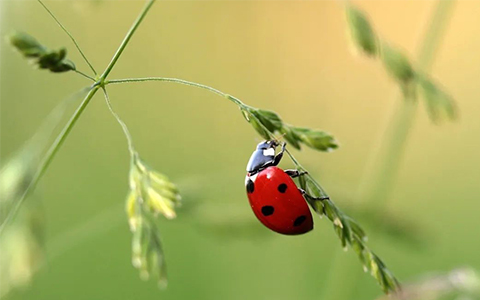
x=295 y=173
x=310 y=197
x=279 y=156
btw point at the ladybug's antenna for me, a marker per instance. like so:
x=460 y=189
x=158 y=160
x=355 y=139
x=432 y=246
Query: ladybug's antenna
x=277 y=139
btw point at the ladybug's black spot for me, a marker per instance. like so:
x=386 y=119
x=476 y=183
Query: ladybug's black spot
x=282 y=188
x=250 y=186
x=267 y=210
x=298 y=221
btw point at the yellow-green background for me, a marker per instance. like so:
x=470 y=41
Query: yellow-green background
x=292 y=57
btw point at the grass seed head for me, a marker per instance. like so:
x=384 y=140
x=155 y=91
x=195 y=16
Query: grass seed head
x=361 y=31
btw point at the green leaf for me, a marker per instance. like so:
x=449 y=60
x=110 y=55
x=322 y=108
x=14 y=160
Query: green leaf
x=330 y=212
x=397 y=64
x=341 y=236
x=44 y=58
x=258 y=122
x=347 y=232
x=439 y=104
x=245 y=114
x=361 y=31
x=292 y=138
x=269 y=119
x=300 y=130
x=27 y=45
x=259 y=128
x=55 y=61
x=303 y=182
x=315 y=139
x=357 y=230
x=358 y=247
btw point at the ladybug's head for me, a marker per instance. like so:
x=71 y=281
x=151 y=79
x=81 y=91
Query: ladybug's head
x=265 y=145
x=262 y=157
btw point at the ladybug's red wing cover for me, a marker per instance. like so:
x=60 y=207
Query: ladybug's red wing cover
x=277 y=202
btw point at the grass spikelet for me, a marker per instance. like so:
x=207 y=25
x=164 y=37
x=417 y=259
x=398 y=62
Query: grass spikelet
x=399 y=66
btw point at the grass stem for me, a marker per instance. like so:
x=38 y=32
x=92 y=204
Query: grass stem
x=126 y=39
x=179 y=81
x=84 y=75
x=122 y=124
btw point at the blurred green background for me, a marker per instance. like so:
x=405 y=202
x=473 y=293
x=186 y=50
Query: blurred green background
x=291 y=57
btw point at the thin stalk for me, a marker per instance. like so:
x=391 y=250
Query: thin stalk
x=389 y=156
x=179 y=81
x=47 y=159
x=84 y=75
x=127 y=38
x=122 y=124
x=70 y=36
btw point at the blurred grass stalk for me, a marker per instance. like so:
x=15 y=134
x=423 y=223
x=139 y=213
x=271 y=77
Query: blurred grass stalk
x=386 y=159
x=461 y=283
x=22 y=248
x=384 y=163
x=21 y=243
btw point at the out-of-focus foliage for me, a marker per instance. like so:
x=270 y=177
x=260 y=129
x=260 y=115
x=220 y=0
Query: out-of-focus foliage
x=44 y=58
x=21 y=249
x=439 y=104
x=457 y=284
x=151 y=194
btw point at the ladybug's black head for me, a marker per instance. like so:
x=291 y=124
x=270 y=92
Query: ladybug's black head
x=267 y=145
x=262 y=157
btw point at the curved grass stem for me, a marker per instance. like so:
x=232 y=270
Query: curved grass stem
x=122 y=124
x=179 y=81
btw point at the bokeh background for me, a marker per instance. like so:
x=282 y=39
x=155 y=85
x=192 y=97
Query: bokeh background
x=291 y=57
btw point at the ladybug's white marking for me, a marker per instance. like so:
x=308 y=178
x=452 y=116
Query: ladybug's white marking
x=269 y=152
x=253 y=177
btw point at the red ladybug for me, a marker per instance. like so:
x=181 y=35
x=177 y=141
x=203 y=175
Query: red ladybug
x=275 y=199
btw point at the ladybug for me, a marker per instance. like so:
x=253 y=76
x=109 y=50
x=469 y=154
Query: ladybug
x=273 y=195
